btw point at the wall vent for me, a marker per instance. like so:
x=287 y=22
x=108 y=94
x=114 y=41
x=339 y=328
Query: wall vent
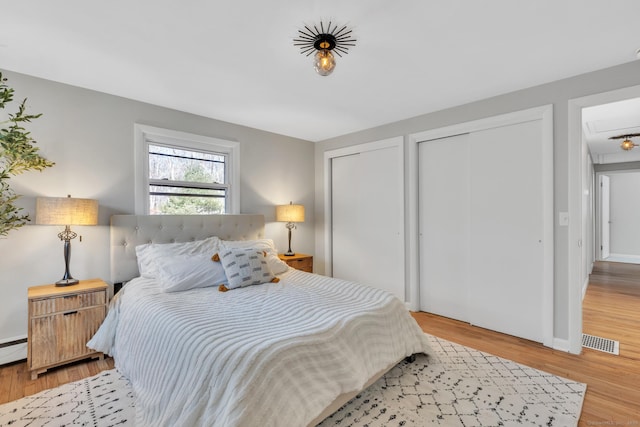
x=601 y=344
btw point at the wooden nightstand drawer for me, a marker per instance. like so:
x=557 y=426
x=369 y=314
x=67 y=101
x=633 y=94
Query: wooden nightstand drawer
x=301 y=262
x=68 y=302
x=50 y=342
x=61 y=321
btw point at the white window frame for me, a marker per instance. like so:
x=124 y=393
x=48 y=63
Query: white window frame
x=144 y=135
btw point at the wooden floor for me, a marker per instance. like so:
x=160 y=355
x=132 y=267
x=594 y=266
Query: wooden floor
x=16 y=382
x=611 y=309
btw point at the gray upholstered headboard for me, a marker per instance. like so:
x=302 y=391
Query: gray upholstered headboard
x=128 y=231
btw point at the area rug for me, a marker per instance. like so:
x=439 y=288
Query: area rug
x=103 y=400
x=458 y=386
x=464 y=387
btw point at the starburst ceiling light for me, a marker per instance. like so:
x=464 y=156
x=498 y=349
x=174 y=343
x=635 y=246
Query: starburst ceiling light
x=324 y=41
x=626 y=143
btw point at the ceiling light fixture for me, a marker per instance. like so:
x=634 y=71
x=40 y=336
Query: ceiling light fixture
x=324 y=42
x=627 y=144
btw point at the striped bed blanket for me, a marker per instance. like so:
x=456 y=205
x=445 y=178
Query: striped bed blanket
x=276 y=354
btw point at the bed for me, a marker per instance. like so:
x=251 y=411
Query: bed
x=288 y=352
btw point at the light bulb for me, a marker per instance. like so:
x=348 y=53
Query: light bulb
x=324 y=62
x=627 y=145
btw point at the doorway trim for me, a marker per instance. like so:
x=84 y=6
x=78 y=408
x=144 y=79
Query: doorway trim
x=598 y=217
x=575 y=169
x=598 y=208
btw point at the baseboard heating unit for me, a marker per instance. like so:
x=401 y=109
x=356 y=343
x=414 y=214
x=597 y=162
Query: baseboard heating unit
x=601 y=344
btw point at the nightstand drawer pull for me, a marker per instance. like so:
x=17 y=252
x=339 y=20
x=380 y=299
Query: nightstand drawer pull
x=70 y=313
x=63 y=303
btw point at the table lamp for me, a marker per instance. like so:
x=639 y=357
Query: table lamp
x=290 y=214
x=66 y=211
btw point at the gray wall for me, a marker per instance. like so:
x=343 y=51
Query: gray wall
x=557 y=93
x=89 y=135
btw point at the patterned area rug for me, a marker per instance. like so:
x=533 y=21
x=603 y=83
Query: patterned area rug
x=464 y=387
x=103 y=400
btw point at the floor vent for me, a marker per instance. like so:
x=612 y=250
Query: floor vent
x=601 y=344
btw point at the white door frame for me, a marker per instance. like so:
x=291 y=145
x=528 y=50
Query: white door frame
x=598 y=210
x=544 y=113
x=600 y=224
x=575 y=166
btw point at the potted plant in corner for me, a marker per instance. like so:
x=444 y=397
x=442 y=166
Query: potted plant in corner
x=18 y=154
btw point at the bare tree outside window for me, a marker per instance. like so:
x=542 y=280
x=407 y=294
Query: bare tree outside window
x=185 y=181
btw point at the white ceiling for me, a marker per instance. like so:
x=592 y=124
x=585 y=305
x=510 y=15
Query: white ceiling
x=234 y=60
x=601 y=122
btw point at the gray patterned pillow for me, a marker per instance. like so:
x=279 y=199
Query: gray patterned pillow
x=245 y=267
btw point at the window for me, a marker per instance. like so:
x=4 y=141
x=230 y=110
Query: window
x=186 y=181
x=181 y=173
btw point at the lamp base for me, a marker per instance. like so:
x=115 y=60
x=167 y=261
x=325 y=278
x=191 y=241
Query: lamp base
x=67 y=235
x=67 y=282
x=289 y=253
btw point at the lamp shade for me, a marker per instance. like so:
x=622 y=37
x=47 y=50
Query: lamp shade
x=290 y=213
x=66 y=211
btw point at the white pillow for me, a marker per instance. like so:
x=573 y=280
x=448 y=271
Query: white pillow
x=276 y=265
x=245 y=267
x=184 y=272
x=148 y=253
x=263 y=244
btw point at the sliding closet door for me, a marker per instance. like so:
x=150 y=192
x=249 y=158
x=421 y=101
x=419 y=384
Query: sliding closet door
x=506 y=224
x=346 y=236
x=367 y=199
x=444 y=226
x=485 y=224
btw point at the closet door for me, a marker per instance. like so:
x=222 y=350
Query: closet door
x=347 y=261
x=506 y=225
x=367 y=199
x=483 y=218
x=444 y=226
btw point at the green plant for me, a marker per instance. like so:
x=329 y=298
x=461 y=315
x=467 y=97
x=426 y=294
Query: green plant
x=193 y=205
x=18 y=154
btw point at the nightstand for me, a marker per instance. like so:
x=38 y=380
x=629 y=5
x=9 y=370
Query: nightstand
x=61 y=321
x=301 y=262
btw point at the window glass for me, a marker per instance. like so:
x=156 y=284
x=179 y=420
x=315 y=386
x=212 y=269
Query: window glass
x=183 y=181
x=185 y=165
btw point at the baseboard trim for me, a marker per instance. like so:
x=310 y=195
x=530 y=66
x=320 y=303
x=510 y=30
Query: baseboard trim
x=561 y=345
x=13 y=351
x=628 y=258
x=12 y=342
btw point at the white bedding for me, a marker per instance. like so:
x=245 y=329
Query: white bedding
x=276 y=354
